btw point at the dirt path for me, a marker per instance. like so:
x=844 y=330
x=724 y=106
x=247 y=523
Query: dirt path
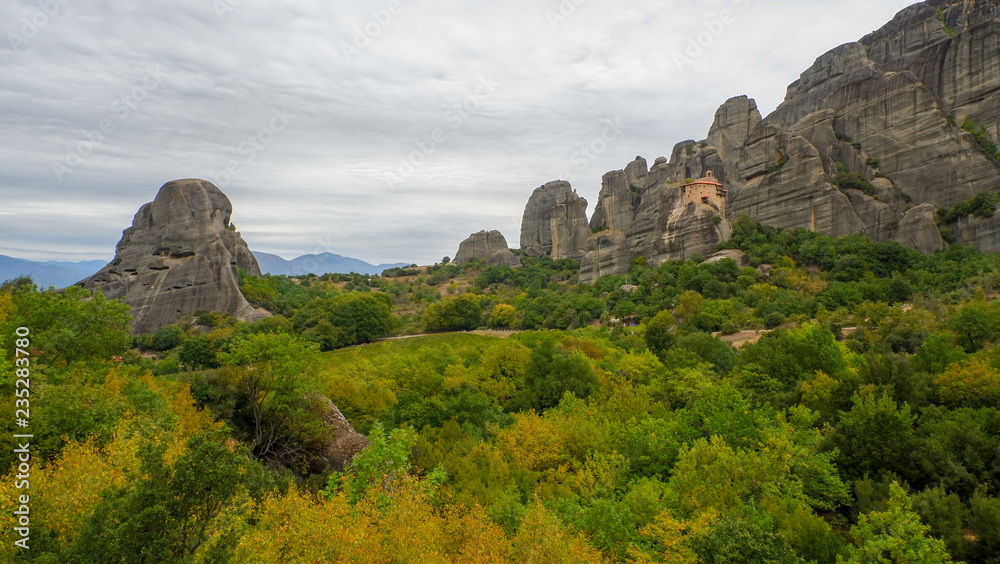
x=484 y=333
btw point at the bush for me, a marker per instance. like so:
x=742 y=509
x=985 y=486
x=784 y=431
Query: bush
x=167 y=338
x=854 y=181
x=459 y=313
x=196 y=353
x=778 y=165
x=982 y=138
x=983 y=204
x=345 y=320
x=659 y=333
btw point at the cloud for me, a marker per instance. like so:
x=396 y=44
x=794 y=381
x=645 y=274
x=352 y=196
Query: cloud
x=375 y=87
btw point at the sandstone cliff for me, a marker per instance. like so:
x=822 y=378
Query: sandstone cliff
x=887 y=110
x=555 y=222
x=179 y=256
x=648 y=216
x=873 y=138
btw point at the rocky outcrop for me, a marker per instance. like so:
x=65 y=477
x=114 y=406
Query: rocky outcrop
x=179 y=256
x=555 y=222
x=954 y=55
x=985 y=231
x=735 y=255
x=343 y=442
x=918 y=230
x=734 y=121
x=787 y=185
x=691 y=230
x=504 y=257
x=663 y=227
x=607 y=253
x=884 y=114
x=620 y=197
x=481 y=246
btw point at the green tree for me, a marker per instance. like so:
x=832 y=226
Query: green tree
x=744 y=540
x=169 y=511
x=71 y=325
x=167 y=338
x=790 y=356
x=458 y=313
x=659 y=333
x=196 y=352
x=278 y=409
x=503 y=316
x=975 y=324
x=379 y=469
x=345 y=320
x=985 y=521
x=875 y=436
x=553 y=372
x=894 y=535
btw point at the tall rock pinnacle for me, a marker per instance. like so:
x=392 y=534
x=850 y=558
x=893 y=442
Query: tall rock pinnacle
x=180 y=256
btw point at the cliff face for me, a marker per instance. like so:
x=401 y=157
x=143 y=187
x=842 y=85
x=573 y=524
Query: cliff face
x=657 y=223
x=873 y=138
x=888 y=109
x=555 y=222
x=178 y=257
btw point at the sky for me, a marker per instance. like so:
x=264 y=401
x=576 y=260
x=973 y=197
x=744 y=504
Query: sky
x=384 y=130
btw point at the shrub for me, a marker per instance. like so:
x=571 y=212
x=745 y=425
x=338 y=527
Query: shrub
x=778 y=165
x=983 y=204
x=982 y=138
x=854 y=181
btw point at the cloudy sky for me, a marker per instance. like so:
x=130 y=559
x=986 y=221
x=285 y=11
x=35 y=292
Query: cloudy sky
x=386 y=130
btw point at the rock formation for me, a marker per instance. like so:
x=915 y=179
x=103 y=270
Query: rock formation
x=344 y=442
x=481 y=246
x=918 y=230
x=659 y=223
x=180 y=256
x=887 y=110
x=607 y=253
x=555 y=222
x=619 y=198
x=735 y=255
x=504 y=257
x=872 y=139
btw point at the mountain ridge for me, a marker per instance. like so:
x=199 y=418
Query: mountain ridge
x=59 y=274
x=323 y=263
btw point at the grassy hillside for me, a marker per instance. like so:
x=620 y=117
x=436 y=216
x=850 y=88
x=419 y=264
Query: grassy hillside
x=616 y=424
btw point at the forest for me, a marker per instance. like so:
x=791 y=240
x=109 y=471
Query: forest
x=832 y=400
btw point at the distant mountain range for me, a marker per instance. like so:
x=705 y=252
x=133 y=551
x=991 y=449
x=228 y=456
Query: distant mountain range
x=49 y=273
x=319 y=264
x=62 y=274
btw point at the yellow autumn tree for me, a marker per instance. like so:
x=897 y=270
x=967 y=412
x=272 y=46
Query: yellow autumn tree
x=975 y=383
